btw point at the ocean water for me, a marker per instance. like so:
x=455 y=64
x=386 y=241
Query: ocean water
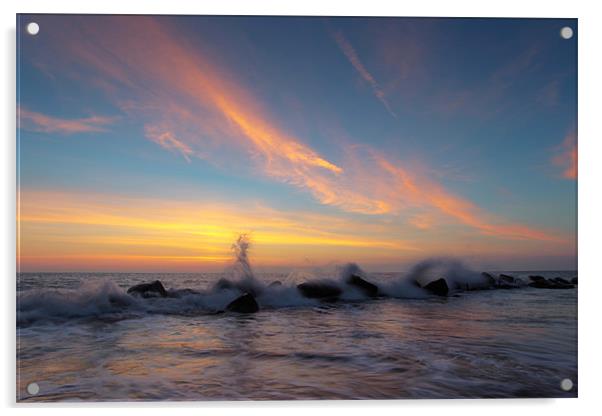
x=81 y=337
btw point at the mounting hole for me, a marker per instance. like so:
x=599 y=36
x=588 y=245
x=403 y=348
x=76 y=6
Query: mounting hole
x=566 y=32
x=33 y=28
x=33 y=388
x=566 y=384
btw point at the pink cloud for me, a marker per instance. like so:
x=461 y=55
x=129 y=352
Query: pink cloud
x=566 y=156
x=167 y=140
x=33 y=121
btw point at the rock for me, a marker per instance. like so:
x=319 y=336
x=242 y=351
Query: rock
x=248 y=285
x=574 y=280
x=148 y=290
x=275 y=283
x=563 y=286
x=537 y=278
x=488 y=278
x=487 y=281
x=178 y=293
x=502 y=285
x=243 y=304
x=319 y=290
x=550 y=284
x=561 y=280
x=244 y=286
x=507 y=279
x=370 y=289
x=438 y=287
x=541 y=284
x=223 y=284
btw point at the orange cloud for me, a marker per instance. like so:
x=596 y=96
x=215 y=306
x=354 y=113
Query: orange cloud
x=194 y=106
x=197 y=109
x=422 y=192
x=355 y=61
x=566 y=158
x=422 y=221
x=33 y=121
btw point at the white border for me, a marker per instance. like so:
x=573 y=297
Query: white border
x=590 y=183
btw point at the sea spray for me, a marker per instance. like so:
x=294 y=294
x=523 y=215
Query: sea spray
x=454 y=271
x=242 y=266
x=242 y=271
x=105 y=298
x=349 y=269
x=89 y=299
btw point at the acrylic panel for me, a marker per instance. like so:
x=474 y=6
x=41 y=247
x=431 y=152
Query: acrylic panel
x=294 y=208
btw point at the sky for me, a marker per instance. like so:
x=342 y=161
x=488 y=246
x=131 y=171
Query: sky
x=150 y=143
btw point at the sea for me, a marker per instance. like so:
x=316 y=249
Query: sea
x=82 y=337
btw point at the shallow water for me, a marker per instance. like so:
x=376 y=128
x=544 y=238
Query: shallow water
x=490 y=343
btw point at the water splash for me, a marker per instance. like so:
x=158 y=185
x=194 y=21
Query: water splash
x=102 y=298
x=242 y=266
x=242 y=272
x=455 y=272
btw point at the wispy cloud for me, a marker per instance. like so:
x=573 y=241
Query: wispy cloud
x=422 y=192
x=167 y=140
x=355 y=61
x=196 y=108
x=38 y=122
x=494 y=92
x=566 y=156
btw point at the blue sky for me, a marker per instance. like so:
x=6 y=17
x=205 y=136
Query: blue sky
x=408 y=137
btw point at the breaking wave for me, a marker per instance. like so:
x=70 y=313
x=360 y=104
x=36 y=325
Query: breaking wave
x=105 y=299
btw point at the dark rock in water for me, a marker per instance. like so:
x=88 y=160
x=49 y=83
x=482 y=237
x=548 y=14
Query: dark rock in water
x=488 y=278
x=487 y=282
x=370 y=289
x=537 y=278
x=119 y=301
x=319 y=290
x=275 y=283
x=541 y=284
x=243 y=304
x=505 y=281
x=148 y=290
x=550 y=284
x=248 y=285
x=561 y=280
x=563 y=286
x=507 y=278
x=224 y=284
x=574 y=280
x=502 y=285
x=178 y=293
x=244 y=286
x=438 y=287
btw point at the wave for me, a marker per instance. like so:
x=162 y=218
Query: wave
x=105 y=299
x=89 y=299
x=349 y=283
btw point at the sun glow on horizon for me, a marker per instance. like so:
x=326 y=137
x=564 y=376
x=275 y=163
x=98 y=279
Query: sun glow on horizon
x=87 y=231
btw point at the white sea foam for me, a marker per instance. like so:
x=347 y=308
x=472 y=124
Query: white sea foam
x=99 y=298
